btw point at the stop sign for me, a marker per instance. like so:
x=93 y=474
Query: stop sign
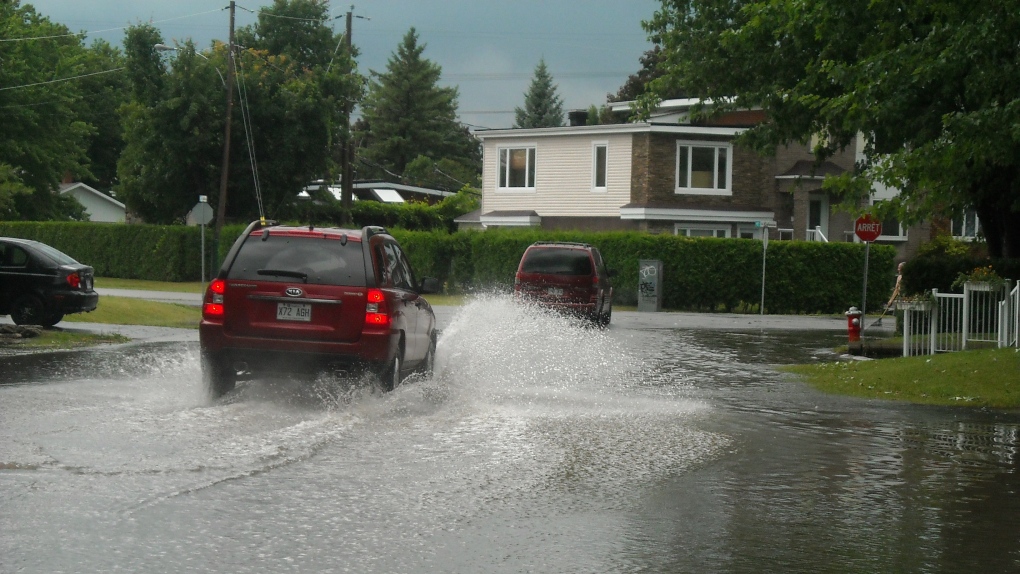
x=867 y=228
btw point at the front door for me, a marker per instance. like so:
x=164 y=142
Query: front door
x=818 y=217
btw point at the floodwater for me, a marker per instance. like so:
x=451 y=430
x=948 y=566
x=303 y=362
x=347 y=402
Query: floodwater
x=538 y=446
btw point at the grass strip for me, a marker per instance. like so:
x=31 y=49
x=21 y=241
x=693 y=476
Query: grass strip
x=51 y=339
x=981 y=378
x=129 y=311
x=145 y=285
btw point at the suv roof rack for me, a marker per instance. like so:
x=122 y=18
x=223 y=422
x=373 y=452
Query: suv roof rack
x=572 y=243
x=370 y=230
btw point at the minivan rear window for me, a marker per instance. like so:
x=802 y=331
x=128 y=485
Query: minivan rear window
x=557 y=261
x=286 y=259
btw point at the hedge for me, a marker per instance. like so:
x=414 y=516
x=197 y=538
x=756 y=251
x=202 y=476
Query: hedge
x=704 y=274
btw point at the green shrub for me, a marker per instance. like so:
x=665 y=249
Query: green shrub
x=698 y=274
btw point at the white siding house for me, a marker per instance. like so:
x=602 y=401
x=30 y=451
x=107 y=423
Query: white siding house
x=99 y=206
x=584 y=173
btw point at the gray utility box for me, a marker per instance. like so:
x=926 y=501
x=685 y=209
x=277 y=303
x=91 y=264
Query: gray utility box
x=649 y=285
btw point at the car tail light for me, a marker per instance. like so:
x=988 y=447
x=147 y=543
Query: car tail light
x=74 y=280
x=213 y=306
x=377 y=312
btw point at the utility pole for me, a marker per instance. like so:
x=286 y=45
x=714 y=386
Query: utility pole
x=225 y=169
x=346 y=182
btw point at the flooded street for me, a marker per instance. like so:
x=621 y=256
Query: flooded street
x=538 y=446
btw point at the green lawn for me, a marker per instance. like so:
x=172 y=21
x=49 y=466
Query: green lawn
x=129 y=311
x=144 y=285
x=980 y=378
x=54 y=339
x=199 y=287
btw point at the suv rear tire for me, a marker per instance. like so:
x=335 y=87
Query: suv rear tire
x=428 y=366
x=390 y=378
x=218 y=375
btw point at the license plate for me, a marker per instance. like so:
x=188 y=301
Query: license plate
x=555 y=291
x=293 y=312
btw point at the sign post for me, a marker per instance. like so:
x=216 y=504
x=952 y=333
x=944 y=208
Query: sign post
x=202 y=214
x=867 y=229
x=764 y=226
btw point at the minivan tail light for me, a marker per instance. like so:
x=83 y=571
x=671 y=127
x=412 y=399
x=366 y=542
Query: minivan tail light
x=74 y=280
x=377 y=312
x=213 y=305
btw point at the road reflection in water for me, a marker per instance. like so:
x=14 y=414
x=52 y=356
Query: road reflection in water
x=539 y=445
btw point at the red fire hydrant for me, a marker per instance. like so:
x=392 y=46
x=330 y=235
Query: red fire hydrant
x=853 y=324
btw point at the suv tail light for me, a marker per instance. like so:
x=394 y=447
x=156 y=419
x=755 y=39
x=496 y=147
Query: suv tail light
x=377 y=311
x=74 y=280
x=213 y=305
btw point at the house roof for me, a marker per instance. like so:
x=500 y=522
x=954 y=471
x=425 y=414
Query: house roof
x=384 y=187
x=69 y=187
x=402 y=188
x=511 y=218
x=469 y=217
x=609 y=129
x=807 y=169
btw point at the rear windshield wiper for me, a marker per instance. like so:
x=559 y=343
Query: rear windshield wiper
x=284 y=273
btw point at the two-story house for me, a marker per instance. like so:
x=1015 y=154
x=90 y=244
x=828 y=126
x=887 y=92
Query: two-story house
x=666 y=175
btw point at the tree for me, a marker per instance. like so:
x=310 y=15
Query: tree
x=543 y=107
x=99 y=97
x=43 y=137
x=406 y=114
x=931 y=85
x=287 y=118
x=636 y=84
x=295 y=29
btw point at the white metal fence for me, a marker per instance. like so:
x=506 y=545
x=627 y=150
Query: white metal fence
x=1009 y=319
x=948 y=322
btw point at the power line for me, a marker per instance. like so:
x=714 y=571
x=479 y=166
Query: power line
x=87 y=32
x=61 y=79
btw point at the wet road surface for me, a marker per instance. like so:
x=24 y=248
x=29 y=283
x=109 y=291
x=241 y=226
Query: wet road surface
x=660 y=445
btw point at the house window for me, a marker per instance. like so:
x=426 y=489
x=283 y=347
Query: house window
x=702 y=230
x=892 y=229
x=967 y=226
x=749 y=232
x=703 y=169
x=517 y=168
x=600 y=167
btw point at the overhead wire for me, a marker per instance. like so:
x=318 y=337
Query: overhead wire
x=87 y=32
x=242 y=95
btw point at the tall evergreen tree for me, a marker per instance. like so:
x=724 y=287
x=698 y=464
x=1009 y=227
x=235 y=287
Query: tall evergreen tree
x=543 y=107
x=406 y=114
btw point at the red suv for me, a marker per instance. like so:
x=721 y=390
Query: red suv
x=294 y=299
x=567 y=276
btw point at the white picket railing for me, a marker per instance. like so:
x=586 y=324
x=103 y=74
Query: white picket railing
x=1009 y=319
x=981 y=314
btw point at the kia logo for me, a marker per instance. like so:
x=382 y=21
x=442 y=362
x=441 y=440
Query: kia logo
x=294 y=292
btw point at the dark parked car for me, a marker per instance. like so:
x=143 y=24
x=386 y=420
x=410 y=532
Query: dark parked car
x=299 y=299
x=567 y=276
x=39 y=284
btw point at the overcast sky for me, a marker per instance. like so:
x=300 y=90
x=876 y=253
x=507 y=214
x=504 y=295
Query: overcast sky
x=487 y=48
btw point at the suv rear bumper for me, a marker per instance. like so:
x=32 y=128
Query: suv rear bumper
x=372 y=351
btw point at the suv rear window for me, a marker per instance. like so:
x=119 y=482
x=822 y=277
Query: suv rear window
x=557 y=261
x=324 y=261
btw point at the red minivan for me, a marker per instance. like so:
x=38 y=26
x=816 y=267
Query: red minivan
x=301 y=299
x=567 y=276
